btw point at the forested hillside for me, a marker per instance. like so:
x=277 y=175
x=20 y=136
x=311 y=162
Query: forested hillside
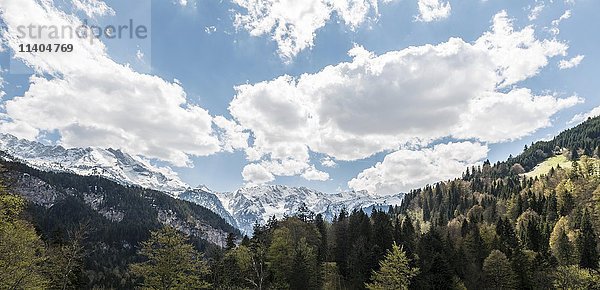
x=493 y=228
x=99 y=223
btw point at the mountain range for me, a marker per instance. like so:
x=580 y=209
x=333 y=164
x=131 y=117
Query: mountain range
x=258 y=203
x=241 y=208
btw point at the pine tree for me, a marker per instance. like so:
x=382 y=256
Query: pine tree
x=560 y=244
x=408 y=236
x=587 y=244
x=474 y=250
x=245 y=241
x=361 y=260
x=230 y=244
x=574 y=154
x=566 y=203
x=322 y=228
x=426 y=211
x=552 y=207
x=305 y=273
x=171 y=262
x=394 y=272
x=507 y=236
x=497 y=272
x=341 y=244
x=382 y=234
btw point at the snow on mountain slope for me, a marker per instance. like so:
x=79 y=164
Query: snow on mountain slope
x=208 y=199
x=241 y=208
x=109 y=163
x=259 y=203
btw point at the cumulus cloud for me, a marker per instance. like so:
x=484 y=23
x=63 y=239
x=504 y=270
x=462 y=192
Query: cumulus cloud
x=256 y=174
x=411 y=97
x=580 y=118
x=404 y=170
x=570 y=63
x=232 y=135
x=502 y=117
x=90 y=100
x=292 y=24
x=433 y=10
x=313 y=174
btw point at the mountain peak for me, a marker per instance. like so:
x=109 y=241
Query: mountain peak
x=110 y=163
x=258 y=203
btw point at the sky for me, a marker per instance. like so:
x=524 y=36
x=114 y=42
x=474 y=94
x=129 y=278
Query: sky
x=377 y=95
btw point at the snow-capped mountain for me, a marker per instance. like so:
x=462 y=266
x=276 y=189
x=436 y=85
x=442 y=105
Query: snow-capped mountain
x=259 y=203
x=241 y=208
x=109 y=163
x=207 y=198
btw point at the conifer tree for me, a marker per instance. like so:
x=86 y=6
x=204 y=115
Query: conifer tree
x=341 y=244
x=382 y=234
x=497 y=272
x=171 y=262
x=394 y=272
x=574 y=154
x=230 y=243
x=587 y=244
x=560 y=244
x=552 y=207
x=322 y=228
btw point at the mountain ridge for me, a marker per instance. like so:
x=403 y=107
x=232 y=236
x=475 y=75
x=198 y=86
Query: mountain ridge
x=249 y=204
x=113 y=164
x=240 y=208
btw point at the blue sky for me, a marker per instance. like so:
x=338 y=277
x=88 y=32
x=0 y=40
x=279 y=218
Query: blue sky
x=210 y=55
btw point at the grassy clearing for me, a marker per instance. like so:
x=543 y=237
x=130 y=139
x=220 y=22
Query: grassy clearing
x=552 y=162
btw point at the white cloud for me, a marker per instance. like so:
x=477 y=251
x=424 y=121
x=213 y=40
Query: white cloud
x=571 y=63
x=328 y=162
x=580 y=118
x=93 y=8
x=292 y=24
x=433 y=10
x=232 y=135
x=502 y=117
x=534 y=13
x=256 y=174
x=92 y=101
x=2 y=93
x=404 y=170
x=411 y=97
x=210 y=29
x=139 y=55
x=17 y=128
x=518 y=55
x=555 y=23
x=313 y=174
